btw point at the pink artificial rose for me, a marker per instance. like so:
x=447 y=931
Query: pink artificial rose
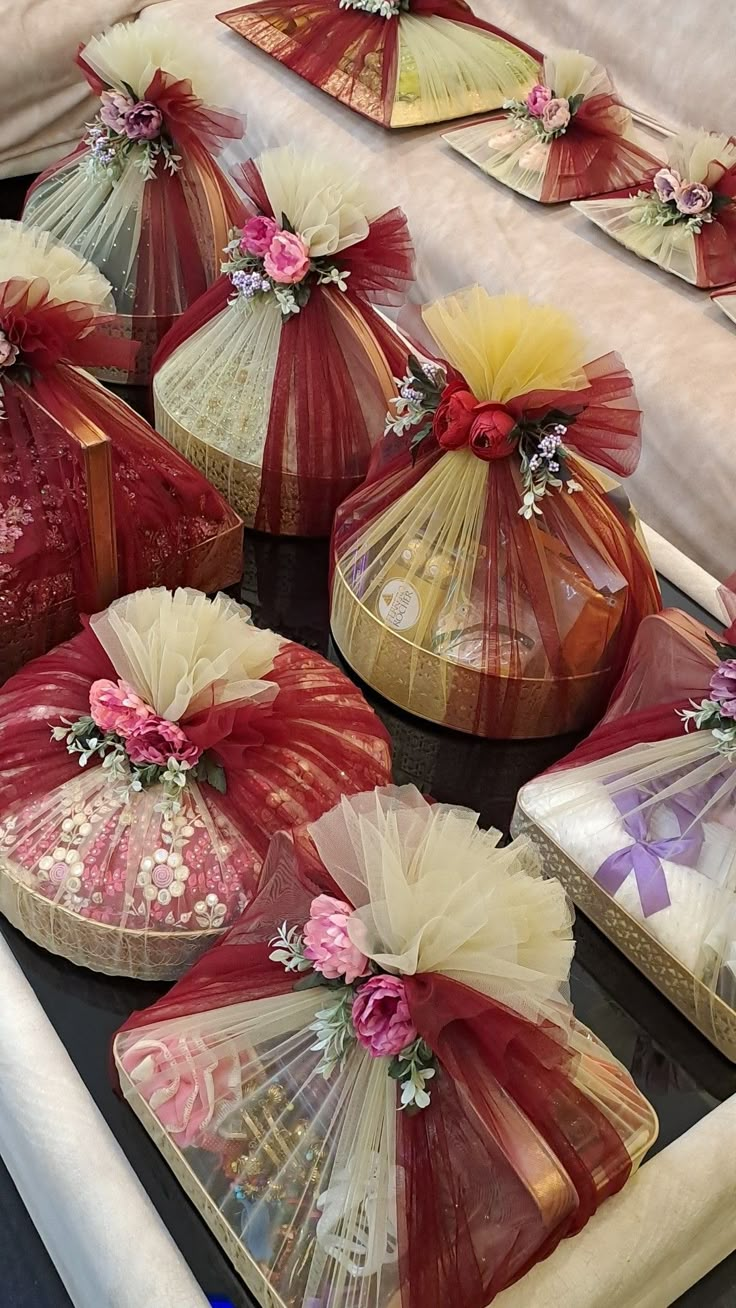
x=156 y=740
x=327 y=943
x=143 y=121
x=693 y=198
x=184 y=1082
x=258 y=234
x=538 y=97
x=667 y=183
x=381 y=1016
x=555 y=115
x=287 y=258
x=114 y=108
x=8 y=351
x=114 y=706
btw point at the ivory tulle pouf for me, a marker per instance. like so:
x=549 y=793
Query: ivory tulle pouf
x=199 y=736
x=570 y=137
x=484 y=578
x=92 y=501
x=399 y=62
x=375 y=1089
x=640 y=822
x=684 y=217
x=276 y=382
x=142 y=196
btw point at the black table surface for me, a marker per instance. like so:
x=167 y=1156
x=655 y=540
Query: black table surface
x=683 y=1076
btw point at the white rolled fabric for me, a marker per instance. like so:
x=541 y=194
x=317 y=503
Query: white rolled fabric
x=672 y=1224
x=109 y=1245
x=689 y=577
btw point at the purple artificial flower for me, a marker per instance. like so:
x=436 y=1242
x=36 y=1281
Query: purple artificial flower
x=723 y=687
x=693 y=198
x=667 y=183
x=537 y=98
x=114 y=107
x=143 y=121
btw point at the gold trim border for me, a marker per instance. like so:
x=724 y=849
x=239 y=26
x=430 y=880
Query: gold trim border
x=150 y=955
x=710 y=1014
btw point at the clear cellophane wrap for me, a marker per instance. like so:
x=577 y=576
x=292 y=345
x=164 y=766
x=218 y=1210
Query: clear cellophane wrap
x=157 y=239
x=165 y=523
x=113 y=878
x=282 y=413
x=435 y=62
x=599 y=151
x=448 y=601
x=705 y=258
x=324 y=1191
x=642 y=816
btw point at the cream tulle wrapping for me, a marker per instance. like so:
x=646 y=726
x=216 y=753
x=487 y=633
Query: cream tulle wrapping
x=157 y=251
x=448 y=601
x=118 y=879
x=434 y=63
x=600 y=151
x=314 y=1185
x=705 y=258
x=651 y=826
x=281 y=412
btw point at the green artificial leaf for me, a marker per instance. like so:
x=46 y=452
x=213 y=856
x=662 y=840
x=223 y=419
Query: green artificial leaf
x=723 y=650
x=286 y=225
x=575 y=101
x=129 y=91
x=209 y=770
x=309 y=981
x=395 y=1070
x=720 y=201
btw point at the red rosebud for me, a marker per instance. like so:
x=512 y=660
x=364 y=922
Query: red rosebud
x=491 y=432
x=453 y=416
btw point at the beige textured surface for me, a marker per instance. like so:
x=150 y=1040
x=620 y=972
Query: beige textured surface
x=680 y=348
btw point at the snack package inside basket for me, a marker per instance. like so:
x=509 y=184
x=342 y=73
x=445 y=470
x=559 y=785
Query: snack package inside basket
x=399 y=62
x=684 y=217
x=92 y=501
x=644 y=814
x=174 y=739
x=484 y=576
x=568 y=138
x=375 y=1089
x=142 y=196
x=276 y=381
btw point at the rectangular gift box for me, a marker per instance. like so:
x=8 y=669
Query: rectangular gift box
x=712 y=1016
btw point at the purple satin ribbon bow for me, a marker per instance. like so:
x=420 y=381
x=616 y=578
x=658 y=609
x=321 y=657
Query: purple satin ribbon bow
x=644 y=857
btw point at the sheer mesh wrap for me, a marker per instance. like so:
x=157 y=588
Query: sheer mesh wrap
x=156 y=238
x=645 y=815
x=444 y=597
x=114 y=878
x=281 y=413
x=705 y=257
x=598 y=151
x=165 y=523
x=323 y=1187
x=431 y=62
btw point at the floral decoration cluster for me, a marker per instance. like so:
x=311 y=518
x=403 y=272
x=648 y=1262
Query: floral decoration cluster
x=369 y=1007
x=11 y=367
x=270 y=258
x=548 y=114
x=438 y=403
x=717 y=714
x=136 y=745
x=126 y=128
x=383 y=8
x=675 y=200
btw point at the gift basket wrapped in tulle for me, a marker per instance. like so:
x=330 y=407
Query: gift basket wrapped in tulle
x=684 y=217
x=375 y=1089
x=568 y=138
x=276 y=382
x=399 y=62
x=92 y=501
x=142 y=196
x=639 y=823
x=484 y=577
x=173 y=739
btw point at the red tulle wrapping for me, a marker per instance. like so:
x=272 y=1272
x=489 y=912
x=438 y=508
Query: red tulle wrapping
x=592 y=157
x=453 y=1153
x=331 y=34
x=327 y=406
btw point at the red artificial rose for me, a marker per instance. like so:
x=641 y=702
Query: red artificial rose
x=491 y=432
x=453 y=416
